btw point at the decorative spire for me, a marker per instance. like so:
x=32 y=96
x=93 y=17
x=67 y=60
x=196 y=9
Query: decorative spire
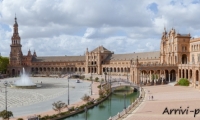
x=15 y=18
x=15 y=25
x=34 y=54
x=86 y=49
x=29 y=53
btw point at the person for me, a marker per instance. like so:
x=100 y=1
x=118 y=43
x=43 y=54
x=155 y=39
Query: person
x=152 y=97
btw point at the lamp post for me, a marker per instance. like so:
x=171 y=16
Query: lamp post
x=127 y=73
x=68 y=90
x=120 y=77
x=6 y=84
x=109 y=78
x=101 y=81
x=140 y=76
x=124 y=101
x=105 y=76
x=85 y=113
x=91 y=83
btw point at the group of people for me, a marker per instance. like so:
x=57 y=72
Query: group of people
x=150 y=97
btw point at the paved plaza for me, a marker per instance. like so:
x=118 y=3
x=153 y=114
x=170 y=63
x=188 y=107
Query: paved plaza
x=52 y=88
x=31 y=101
x=173 y=97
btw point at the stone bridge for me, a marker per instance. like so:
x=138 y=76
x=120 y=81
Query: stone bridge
x=115 y=85
x=119 y=83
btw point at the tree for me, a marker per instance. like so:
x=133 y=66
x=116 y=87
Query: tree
x=6 y=115
x=86 y=98
x=4 y=61
x=58 y=106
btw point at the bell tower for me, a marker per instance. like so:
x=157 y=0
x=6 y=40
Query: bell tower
x=15 y=53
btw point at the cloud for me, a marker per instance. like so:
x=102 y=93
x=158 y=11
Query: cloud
x=68 y=27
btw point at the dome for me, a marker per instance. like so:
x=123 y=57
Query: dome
x=15 y=25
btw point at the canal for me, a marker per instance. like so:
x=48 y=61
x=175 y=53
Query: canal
x=110 y=107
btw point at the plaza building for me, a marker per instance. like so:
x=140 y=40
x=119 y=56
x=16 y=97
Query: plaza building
x=179 y=57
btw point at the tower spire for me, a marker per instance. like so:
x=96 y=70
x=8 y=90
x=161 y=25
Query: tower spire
x=15 y=19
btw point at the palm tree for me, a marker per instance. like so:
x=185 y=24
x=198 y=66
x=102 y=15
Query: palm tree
x=59 y=105
x=6 y=114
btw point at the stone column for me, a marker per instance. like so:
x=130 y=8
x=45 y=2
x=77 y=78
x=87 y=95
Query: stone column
x=199 y=80
x=147 y=79
x=164 y=75
x=169 y=77
x=194 y=79
x=150 y=77
x=181 y=73
x=177 y=77
x=185 y=73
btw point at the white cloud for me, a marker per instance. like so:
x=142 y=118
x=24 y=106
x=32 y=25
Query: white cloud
x=68 y=27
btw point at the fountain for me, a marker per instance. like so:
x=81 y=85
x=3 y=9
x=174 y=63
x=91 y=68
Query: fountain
x=24 y=82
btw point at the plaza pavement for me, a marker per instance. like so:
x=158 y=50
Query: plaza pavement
x=28 y=102
x=172 y=97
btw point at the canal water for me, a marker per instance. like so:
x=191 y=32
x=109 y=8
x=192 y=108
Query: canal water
x=110 y=107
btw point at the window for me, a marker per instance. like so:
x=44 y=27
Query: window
x=198 y=57
x=193 y=58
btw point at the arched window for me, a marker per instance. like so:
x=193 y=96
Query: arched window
x=184 y=59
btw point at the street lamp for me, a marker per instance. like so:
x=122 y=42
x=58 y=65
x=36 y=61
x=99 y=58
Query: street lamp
x=109 y=78
x=6 y=84
x=91 y=83
x=119 y=78
x=140 y=77
x=124 y=101
x=101 y=81
x=68 y=90
x=127 y=73
x=85 y=113
x=105 y=76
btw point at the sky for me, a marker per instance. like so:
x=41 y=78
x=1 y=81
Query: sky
x=68 y=27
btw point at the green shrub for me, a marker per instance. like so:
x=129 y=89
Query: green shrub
x=82 y=106
x=46 y=116
x=71 y=108
x=183 y=82
x=82 y=77
x=98 y=86
x=63 y=113
x=20 y=119
x=90 y=103
x=96 y=79
x=54 y=116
